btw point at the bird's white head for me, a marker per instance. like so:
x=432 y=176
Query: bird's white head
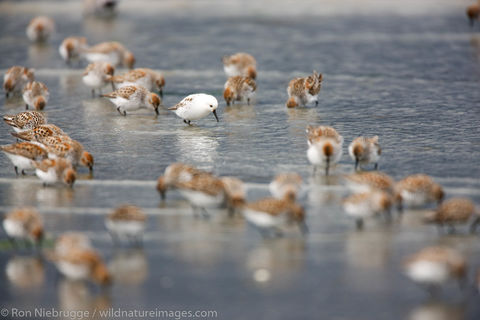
x=211 y=103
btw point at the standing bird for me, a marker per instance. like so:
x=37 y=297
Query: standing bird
x=196 y=106
x=132 y=98
x=417 y=190
x=434 y=266
x=240 y=64
x=302 y=91
x=24 y=154
x=97 y=75
x=473 y=12
x=24 y=224
x=24 y=121
x=126 y=222
x=325 y=147
x=285 y=185
x=455 y=211
x=368 y=204
x=40 y=29
x=16 y=77
x=269 y=215
x=112 y=52
x=81 y=263
x=239 y=88
x=72 y=48
x=145 y=77
x=173 y=174
x=62 y=146
x=51 y=171
x=203 y=191
x=35 y=94
x=364 y=150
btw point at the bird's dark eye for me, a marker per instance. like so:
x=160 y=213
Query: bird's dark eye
x=211 y=106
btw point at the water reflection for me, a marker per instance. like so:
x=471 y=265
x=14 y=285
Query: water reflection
x=40 y=54
x=370 y=250
x=276 y=261
x=71 y=83
x=197 y=145
x=76 y=296
x=236 y=113
x=55 y=196
x=25 y=272
x=129 y=267
x=435 y=310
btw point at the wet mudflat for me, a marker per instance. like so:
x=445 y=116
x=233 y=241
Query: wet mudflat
x=409 y=74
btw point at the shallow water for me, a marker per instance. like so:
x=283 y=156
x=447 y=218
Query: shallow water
x=409 y=74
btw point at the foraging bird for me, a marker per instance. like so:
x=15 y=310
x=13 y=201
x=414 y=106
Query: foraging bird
x=126 y=222
x=455 y=211
x=132 y=98
x=239 y=88
x=23 y=155
x=72 y=48
x=24 y=224
x=364 y=150
x=417 y=190
x=173 y=174
x=16 y=78
x=325 y=147
x=35 y=94
x=434 y=266
x=302 y=91
x=51 y=171
x=26 y=120
x=368 y=204
x=196 y=106
x=40 y=29
x=240 y=64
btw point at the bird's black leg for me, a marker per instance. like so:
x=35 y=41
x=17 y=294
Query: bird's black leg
x=93 y=93
x=23 y=172
x=359 y=224
x=376 y=166
x=26 y=106
x=16 y=170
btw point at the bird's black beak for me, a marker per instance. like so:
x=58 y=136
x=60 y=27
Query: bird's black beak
x=215 y=114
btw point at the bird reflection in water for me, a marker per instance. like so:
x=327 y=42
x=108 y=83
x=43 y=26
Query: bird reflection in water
x=25 y=272
x=276 y=261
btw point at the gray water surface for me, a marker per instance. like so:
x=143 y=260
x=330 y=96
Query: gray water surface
x=408 y=73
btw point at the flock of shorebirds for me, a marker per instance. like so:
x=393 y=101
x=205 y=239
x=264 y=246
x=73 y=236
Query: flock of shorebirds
x=55 y=157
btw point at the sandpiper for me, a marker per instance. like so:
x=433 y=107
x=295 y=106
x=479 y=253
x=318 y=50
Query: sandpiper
x=24 y=154
x=417 y=190
x=16 y=77
x=240 y=64
x=434 y=266
x=196 y=106
x=36 y=95
x=302 y=91
x=364 y=150
x=24 y=224
x=126 y=222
